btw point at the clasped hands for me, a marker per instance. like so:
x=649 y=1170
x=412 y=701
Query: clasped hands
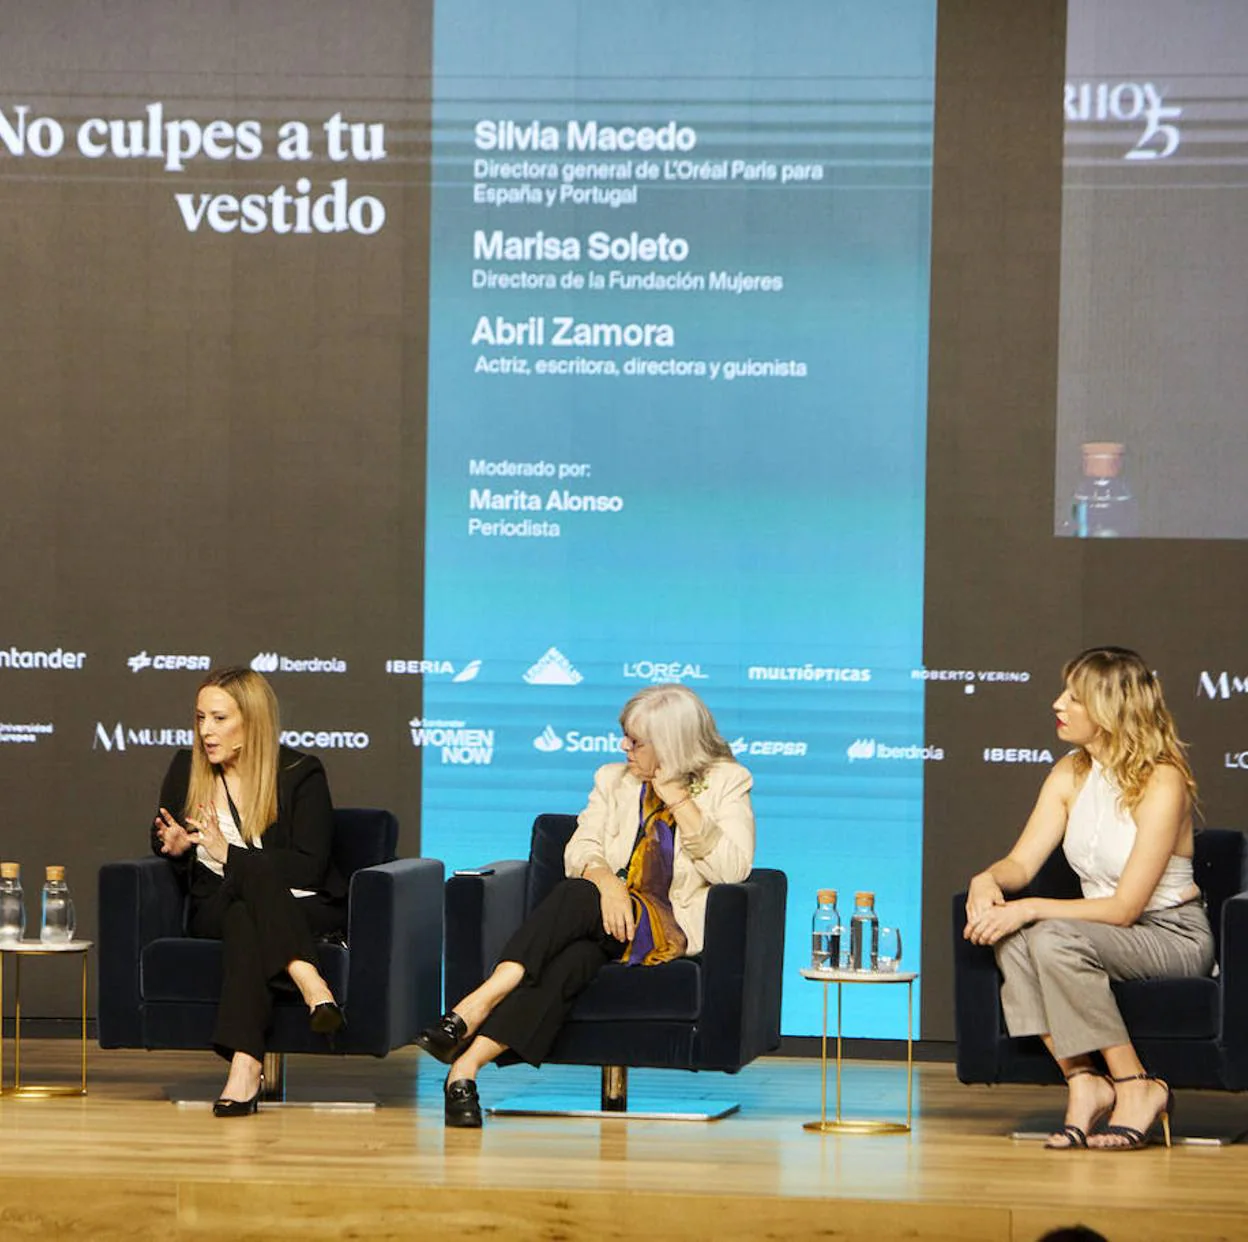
x=989 y=916
x=176 y=839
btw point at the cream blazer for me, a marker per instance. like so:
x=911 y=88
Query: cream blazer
x=721 y=852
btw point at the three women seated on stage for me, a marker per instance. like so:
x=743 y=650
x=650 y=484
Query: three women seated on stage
x=248 y=824
x=657 y=832
x=1120 y=803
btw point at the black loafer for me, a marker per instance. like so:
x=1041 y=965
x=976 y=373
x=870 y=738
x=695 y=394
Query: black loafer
x=462 y=1107
x=445 y=1039
x=326 y=1018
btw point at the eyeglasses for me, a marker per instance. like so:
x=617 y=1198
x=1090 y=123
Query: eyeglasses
x=634 y=743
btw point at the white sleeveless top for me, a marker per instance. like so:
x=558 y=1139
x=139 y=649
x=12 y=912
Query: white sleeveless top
x=1100 y=834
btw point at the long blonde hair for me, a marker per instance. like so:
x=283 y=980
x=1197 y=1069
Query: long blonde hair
x=1123 y=699
x=257 y=761
x=679 y=726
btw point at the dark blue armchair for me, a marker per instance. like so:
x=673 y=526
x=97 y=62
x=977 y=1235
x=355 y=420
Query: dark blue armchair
x=159 y=987
x=716 y=1011
x=1191 y=1032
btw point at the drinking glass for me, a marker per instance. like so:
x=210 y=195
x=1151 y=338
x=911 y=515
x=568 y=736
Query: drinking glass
x=890 y=949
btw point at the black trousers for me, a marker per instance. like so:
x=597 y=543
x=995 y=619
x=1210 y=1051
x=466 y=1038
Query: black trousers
x=562 y=946
x=263 y=928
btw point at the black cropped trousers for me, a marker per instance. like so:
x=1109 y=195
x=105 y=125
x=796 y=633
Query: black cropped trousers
x=562 y=946
x=262 y=928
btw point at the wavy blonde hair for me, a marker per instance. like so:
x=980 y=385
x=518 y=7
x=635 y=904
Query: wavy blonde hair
x=679 y=726
x=257 y=761
x=1123 y=699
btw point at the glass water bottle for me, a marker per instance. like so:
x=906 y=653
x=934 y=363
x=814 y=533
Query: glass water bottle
x=864 y=934
x=58 y=909
x=825 y=932
x=12 y=907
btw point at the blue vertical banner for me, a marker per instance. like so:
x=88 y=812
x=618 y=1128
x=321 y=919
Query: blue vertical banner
x=677 y=423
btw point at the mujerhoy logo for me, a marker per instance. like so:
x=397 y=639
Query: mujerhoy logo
x=1220 y=685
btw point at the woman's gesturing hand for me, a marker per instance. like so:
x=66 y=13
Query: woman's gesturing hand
x=617 y=905
x=174 y=839
x=207 y=832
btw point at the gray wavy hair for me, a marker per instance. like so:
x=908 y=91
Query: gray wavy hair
x=679 y=726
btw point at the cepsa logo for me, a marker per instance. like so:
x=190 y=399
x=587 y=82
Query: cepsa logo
x=168 y=663
x=779 y=748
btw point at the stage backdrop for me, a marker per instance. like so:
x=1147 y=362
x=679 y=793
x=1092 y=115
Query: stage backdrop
x=467 y=367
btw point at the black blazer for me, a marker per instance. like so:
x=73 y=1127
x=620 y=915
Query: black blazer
x=297 y=843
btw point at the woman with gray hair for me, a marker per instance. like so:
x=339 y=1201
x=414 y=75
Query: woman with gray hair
x=658 y=831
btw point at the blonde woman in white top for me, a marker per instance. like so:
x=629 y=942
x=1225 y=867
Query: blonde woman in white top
x=1120 y=803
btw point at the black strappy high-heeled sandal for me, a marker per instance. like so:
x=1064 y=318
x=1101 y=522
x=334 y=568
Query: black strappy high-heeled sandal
x=1141 y=1138
x=1074 y=1136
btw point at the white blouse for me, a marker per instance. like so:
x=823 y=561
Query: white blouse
x=229 y=830
x=1100 y=834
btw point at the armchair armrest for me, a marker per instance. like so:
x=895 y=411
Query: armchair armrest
x=977 y=1003
x=742 y=971
x=394 y=929
x=139 y=901
x=1233 y=980
x=481 y=912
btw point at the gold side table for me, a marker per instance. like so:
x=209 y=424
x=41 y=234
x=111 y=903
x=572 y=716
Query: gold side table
x=860 y=1125
x=36 y=948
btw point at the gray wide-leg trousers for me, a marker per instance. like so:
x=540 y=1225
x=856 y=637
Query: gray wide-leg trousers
x=1056 y=973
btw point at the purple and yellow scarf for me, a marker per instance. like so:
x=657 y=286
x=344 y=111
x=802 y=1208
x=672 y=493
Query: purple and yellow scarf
x=657 y=937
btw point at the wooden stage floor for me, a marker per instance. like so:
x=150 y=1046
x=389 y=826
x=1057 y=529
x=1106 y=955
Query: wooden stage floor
x=125 y=1163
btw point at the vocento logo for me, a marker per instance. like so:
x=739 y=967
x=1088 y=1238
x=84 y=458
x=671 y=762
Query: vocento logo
x=867 y=748
x=785 y=749
x=575 y=742
x=271 y=662
x=24 y=734
x=1017 y=754
x=169 y=663
x=434 y=668
x=454 y=741
x=656 y=671
x=1220 y=685
x=58 y=659
x=119 y=737
x=553 y=669
x=325 y=739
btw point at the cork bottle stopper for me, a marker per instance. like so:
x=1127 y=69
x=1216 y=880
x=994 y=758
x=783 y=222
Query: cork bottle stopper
x=56 y=873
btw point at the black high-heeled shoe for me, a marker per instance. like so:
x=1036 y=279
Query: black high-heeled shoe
x=238 y=1108
x=1141 y=1138
x=1074 y=1136
x=327 y=1018
x=461 y=1104
x=446 y=1038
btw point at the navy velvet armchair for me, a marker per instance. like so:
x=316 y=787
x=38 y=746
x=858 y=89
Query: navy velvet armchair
x=716 y=1011
x=159 y=987
x=1191 y=1032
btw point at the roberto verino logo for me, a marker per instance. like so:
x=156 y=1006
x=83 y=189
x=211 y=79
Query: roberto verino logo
x=867 y=748
x=553 y=669
x=454 y=740
x=168 y=663
x=434 y=668
x=272 y=662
